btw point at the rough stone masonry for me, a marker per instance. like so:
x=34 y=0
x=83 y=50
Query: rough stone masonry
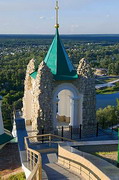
x=38 y=94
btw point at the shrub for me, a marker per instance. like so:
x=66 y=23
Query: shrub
x=19 y=176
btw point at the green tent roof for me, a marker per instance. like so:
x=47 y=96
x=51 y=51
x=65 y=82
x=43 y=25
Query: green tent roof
x=58 y=61
x=34 y=74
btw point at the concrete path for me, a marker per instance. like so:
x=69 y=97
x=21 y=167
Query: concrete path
x=109 y=84
x=55 y=171
x=49 y=158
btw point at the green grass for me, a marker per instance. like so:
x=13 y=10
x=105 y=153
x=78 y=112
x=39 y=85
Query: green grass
x=104 y=153
x=19 y=176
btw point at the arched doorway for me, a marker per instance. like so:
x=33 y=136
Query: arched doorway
x=63 y=115
x=67 y=106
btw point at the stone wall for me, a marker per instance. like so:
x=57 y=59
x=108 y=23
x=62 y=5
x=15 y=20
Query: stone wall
x=28 y=88
x=42 y=106
x=42 y=95
x=86 y=86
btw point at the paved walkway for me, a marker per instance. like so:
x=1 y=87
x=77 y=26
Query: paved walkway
x=54 y=170
x=58 y=172
x=109 y=84
x=50 y=165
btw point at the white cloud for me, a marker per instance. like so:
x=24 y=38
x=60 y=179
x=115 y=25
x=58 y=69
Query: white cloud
x=42 y=17
x=108 y=15
x=47 y=18
x=75 y=26
x=78 y=16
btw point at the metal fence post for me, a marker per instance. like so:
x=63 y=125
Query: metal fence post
x=62 y=132
x=103 y=124
x=80 y=131
x=50 y=139
x=97 y=128
x=112 y=126
x=71 y=131
x=118 y=150
x=42 y=134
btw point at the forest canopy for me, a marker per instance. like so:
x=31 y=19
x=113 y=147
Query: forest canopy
x=15 y=53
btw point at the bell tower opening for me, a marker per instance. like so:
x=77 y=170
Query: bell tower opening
x=67 y=106
x=63 y=115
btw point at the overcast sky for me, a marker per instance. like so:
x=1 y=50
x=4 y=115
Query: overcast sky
x=75 y=16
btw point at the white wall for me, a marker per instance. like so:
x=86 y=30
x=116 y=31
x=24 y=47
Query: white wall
x=28 y=102
x=64 y=103
x=1 y=121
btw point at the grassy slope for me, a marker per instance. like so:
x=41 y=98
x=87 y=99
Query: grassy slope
x=19 y=176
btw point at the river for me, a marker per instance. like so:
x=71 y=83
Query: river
x=103 y=100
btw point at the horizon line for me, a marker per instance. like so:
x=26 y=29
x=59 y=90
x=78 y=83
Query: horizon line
x=60 y=34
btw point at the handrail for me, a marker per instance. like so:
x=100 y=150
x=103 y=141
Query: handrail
x=51 y=135
x=35 y=163
x=34 y=175
x=74 y=165
x=87 y=165
x=34 y=157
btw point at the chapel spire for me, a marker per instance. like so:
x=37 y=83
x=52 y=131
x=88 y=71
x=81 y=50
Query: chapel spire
x=57 y=9
x=57 y=58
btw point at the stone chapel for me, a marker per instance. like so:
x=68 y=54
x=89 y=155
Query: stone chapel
x=56 y=93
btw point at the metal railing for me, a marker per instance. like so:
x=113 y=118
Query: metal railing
x=79 y=167
x=49 y=138
x=34 y=162
x=34 y=157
